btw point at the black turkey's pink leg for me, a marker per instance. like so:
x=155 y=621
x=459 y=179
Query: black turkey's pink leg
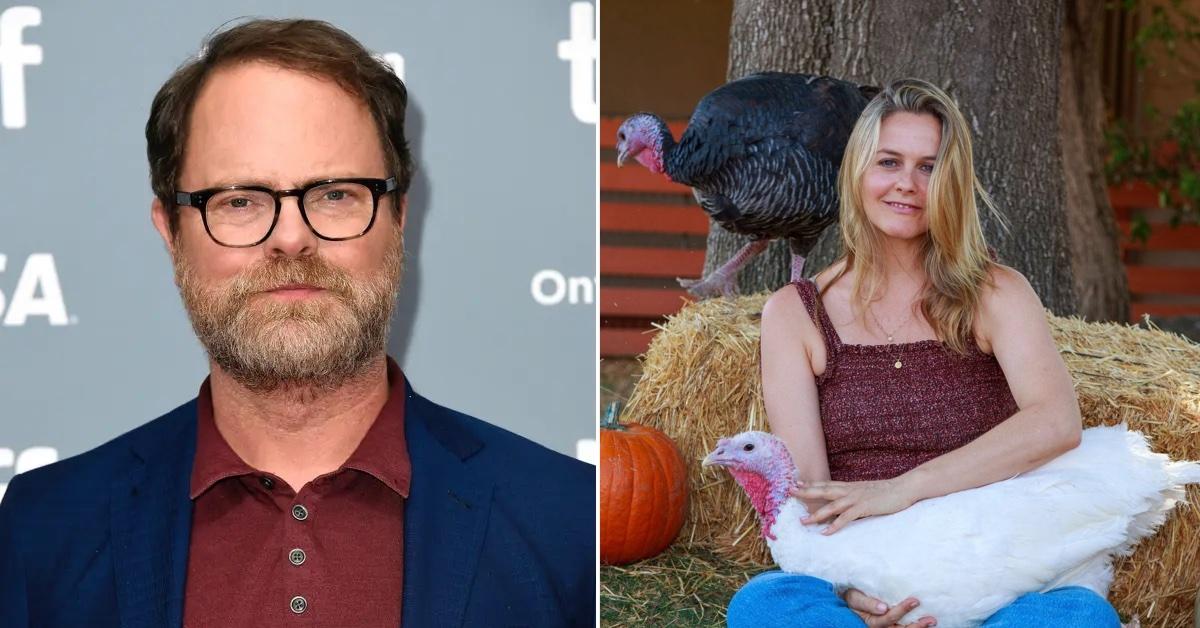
x=723 y=280
x=797 y=267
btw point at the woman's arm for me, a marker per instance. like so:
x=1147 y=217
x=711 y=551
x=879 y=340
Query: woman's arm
x=1047 y=423
x=789 y=385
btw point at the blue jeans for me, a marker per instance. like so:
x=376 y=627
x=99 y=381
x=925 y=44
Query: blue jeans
x=781 y=599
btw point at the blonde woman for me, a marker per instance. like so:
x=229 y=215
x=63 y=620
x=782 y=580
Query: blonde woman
x=913 y=367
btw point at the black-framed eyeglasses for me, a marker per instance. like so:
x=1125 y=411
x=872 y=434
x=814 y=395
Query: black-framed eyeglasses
x=245 y=215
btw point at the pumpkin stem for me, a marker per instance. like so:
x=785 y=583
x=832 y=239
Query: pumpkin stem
x=609 y=422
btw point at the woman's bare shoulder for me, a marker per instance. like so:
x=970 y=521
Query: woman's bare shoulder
x=1006 y=284
x=1006 y=294
x=786 y=321
x=790 y=341
x=785 y=318
x=785 y=304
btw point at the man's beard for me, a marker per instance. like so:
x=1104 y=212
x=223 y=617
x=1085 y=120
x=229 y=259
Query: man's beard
x=316 y=343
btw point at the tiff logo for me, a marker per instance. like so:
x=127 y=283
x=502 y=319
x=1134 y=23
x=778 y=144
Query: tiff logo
x=581 y=50
x=14 y=56
x=39 y=275
x=395 y=61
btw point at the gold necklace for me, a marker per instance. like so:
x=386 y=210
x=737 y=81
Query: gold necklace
x=898 y=364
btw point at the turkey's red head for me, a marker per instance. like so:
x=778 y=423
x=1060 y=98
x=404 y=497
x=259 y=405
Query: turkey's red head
x=761 y=464
x=641 y=137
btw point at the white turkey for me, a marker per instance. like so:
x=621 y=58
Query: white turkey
x=968 y=554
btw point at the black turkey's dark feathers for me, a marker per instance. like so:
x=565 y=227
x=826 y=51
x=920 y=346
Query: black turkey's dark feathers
x=762 y=152
x=815 y=112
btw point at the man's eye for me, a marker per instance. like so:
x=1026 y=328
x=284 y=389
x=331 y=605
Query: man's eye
x=335 y=195
x=240 y=203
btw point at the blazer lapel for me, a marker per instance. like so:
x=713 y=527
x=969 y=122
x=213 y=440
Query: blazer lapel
x=445 y=516
x=151 y=525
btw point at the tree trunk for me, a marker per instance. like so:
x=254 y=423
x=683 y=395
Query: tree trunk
x=771 y=35
x=1100 y=282
x=999 y=60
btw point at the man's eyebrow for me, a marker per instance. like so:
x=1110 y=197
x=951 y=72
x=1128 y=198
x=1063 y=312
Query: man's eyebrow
x=225 y=182
x=344 y=175
x=888 y=151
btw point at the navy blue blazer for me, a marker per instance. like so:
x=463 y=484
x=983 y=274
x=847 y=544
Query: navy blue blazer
x=498 y=531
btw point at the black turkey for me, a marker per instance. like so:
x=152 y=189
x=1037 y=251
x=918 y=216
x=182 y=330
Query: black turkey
x=761 y=155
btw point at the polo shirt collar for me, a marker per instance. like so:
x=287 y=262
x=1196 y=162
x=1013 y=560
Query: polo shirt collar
x=382 y=453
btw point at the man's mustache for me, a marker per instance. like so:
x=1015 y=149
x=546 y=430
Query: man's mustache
x=276 y=273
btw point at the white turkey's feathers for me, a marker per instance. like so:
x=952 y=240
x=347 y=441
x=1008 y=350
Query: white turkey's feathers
x=1184 y=472
x=968 y=554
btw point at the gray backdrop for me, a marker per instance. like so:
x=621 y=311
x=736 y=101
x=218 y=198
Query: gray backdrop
x=93 y=337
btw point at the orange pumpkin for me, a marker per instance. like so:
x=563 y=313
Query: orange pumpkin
x=643 y=491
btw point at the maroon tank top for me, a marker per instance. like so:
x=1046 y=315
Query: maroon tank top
x=880 y=421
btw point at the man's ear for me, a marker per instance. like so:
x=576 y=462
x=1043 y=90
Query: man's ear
x=162 y=223
x=403 y=211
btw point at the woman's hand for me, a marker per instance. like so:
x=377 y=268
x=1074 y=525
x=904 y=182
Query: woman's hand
x=876 y=614
x=852 y=500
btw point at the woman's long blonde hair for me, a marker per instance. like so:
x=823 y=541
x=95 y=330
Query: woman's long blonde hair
x=956 y=257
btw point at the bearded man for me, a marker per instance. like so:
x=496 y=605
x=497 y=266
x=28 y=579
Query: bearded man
x=307 y=483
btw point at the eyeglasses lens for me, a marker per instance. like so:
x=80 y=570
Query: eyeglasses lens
x=334 y=210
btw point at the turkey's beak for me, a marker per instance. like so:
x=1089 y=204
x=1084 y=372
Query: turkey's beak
x=717 y=456
x=622 y=155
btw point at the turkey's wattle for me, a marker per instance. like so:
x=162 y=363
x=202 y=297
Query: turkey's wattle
x=761 y=155
x=758 y=489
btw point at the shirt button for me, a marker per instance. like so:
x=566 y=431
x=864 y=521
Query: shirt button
x=266 y=482
x=300 y=513
x=297 y=556
x=299 y=604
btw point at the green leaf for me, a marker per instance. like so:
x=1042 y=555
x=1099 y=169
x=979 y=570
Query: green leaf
x=1139 y=228
x=1189 y=184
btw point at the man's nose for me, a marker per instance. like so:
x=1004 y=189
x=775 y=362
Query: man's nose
x=291 y=236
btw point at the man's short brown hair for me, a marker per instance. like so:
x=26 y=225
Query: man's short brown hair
x=310 y=46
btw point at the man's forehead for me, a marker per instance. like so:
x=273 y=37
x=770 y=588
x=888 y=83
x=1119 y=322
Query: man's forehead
x=257 y=123
x=264 y=70
x=255 y=91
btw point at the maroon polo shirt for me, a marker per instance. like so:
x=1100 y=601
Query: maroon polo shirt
x=331 y=554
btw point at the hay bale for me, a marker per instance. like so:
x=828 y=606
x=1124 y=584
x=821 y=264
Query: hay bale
x=701 y=382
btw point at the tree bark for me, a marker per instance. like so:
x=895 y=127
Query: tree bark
x=999 y=60
x=1100 y=282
